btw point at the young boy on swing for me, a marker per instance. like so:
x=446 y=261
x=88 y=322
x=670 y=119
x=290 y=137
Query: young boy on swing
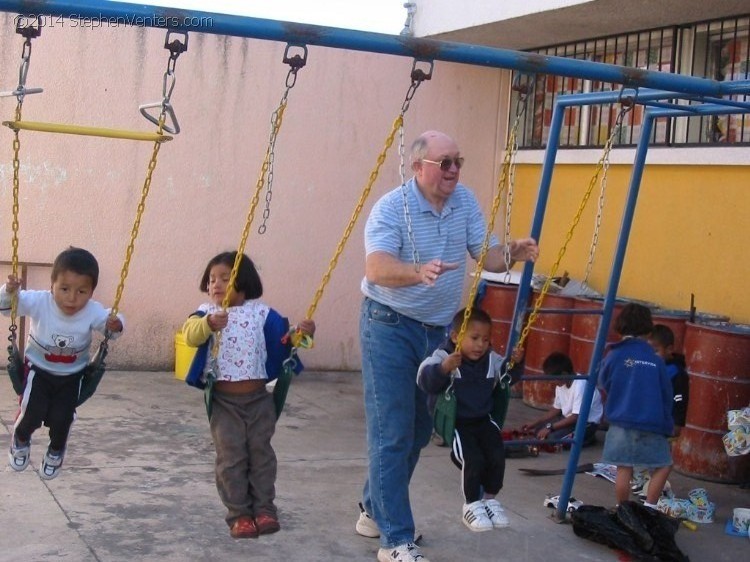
x=57 y=352
x=477 y=444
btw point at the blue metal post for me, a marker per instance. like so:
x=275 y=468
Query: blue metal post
x=524 y=287
x=112 y=14
x=612 y=286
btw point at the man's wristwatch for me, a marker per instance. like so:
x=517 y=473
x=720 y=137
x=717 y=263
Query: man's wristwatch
x=548 y=426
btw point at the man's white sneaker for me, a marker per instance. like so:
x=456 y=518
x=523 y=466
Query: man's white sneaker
x=367 y=527
x=496 y=513
x=408 y=552
x=18 y=455
x=475 y=517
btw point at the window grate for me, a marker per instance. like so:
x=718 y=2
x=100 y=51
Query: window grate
x=717 y=49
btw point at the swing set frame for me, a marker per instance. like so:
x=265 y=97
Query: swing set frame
x=709 y=95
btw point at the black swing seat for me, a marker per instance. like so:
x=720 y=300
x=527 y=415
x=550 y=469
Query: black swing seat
x=15 y=368
x=93 y=373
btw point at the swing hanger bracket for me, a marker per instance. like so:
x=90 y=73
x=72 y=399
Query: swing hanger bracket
x=26 y=28
x=295 y=62
x=176 y=47
x=420 y=75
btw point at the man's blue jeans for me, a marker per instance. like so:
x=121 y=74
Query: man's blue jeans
x=398 y=422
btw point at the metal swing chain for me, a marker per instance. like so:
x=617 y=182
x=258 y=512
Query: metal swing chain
x=417 y=77
x=176 y=48
x=29 y=32
x=295 y=63
x=523 y=95
x=506 y=175
x=627 y=105
x=602 y=192
x=277 y=119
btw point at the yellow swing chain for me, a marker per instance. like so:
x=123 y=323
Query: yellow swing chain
x=176 y=48
x=626 y=106
x=29 y=31
x=417 y=77
x=15 y=224
x=277 y=118
x=506 y=176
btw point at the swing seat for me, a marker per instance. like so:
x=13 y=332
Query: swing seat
x=93 y=373
x=444 y=418
x=500 y=402
x=16 y=369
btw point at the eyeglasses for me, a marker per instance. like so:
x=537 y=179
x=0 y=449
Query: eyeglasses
x=446 y=163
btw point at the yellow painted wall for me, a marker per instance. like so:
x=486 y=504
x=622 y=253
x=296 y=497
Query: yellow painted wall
x=689 y=235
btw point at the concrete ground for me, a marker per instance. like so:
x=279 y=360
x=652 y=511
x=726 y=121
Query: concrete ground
x=137 y=485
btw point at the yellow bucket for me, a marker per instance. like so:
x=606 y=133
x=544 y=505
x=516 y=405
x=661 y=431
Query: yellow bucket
x=183 y=356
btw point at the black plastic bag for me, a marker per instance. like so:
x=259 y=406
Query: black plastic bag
x=644 y=533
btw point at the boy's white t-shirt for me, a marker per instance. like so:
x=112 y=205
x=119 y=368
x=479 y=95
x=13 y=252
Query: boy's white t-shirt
x=58 y=343
x=569 y=400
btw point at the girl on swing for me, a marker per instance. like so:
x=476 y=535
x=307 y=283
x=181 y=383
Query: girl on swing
x=243 y=415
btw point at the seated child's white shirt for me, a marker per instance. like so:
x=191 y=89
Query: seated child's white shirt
x=242 y=353
x=569 y=400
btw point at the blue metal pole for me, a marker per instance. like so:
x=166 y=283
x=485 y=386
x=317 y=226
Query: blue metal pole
x=111 y=14
x=524 y=287
x=601 y=336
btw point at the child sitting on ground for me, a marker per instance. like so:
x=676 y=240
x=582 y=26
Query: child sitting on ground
x=560 y=420
x=57 y=353
x=477 y=447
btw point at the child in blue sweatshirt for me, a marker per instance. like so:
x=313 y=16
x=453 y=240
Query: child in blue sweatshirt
x=478 y=449
x=638 y=405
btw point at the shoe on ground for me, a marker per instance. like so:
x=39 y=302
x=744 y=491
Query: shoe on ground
x=19 y=455
x=267 y=524
x=496 y=513
x=367 y=527
x=244 y=528
x=408 y=552
x=475 y=517
x=51 y=465
x=554 y=501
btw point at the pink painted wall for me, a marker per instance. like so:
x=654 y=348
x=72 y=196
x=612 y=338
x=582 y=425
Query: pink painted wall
x=84 y=191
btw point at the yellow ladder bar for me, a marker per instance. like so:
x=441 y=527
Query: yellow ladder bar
x=87 y=131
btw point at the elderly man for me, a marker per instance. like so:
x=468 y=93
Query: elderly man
x=416 y=240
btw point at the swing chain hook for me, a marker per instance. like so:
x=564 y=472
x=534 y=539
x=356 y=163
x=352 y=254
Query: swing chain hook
x=295 y=62
x=176 y=48
x=418 y=75
x=29 y=28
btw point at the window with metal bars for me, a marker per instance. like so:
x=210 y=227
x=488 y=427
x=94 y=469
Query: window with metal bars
x=716 y=49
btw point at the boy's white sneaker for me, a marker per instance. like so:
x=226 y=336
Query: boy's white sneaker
x=408 y=552
x=496 y=513
x=18 y=455
x=475 y=517
x=51 y=465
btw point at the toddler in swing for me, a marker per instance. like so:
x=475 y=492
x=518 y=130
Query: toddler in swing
x=56 y=353
x=242 y=412
x=477 y=447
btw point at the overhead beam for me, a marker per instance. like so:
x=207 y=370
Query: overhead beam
x=111 y=14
